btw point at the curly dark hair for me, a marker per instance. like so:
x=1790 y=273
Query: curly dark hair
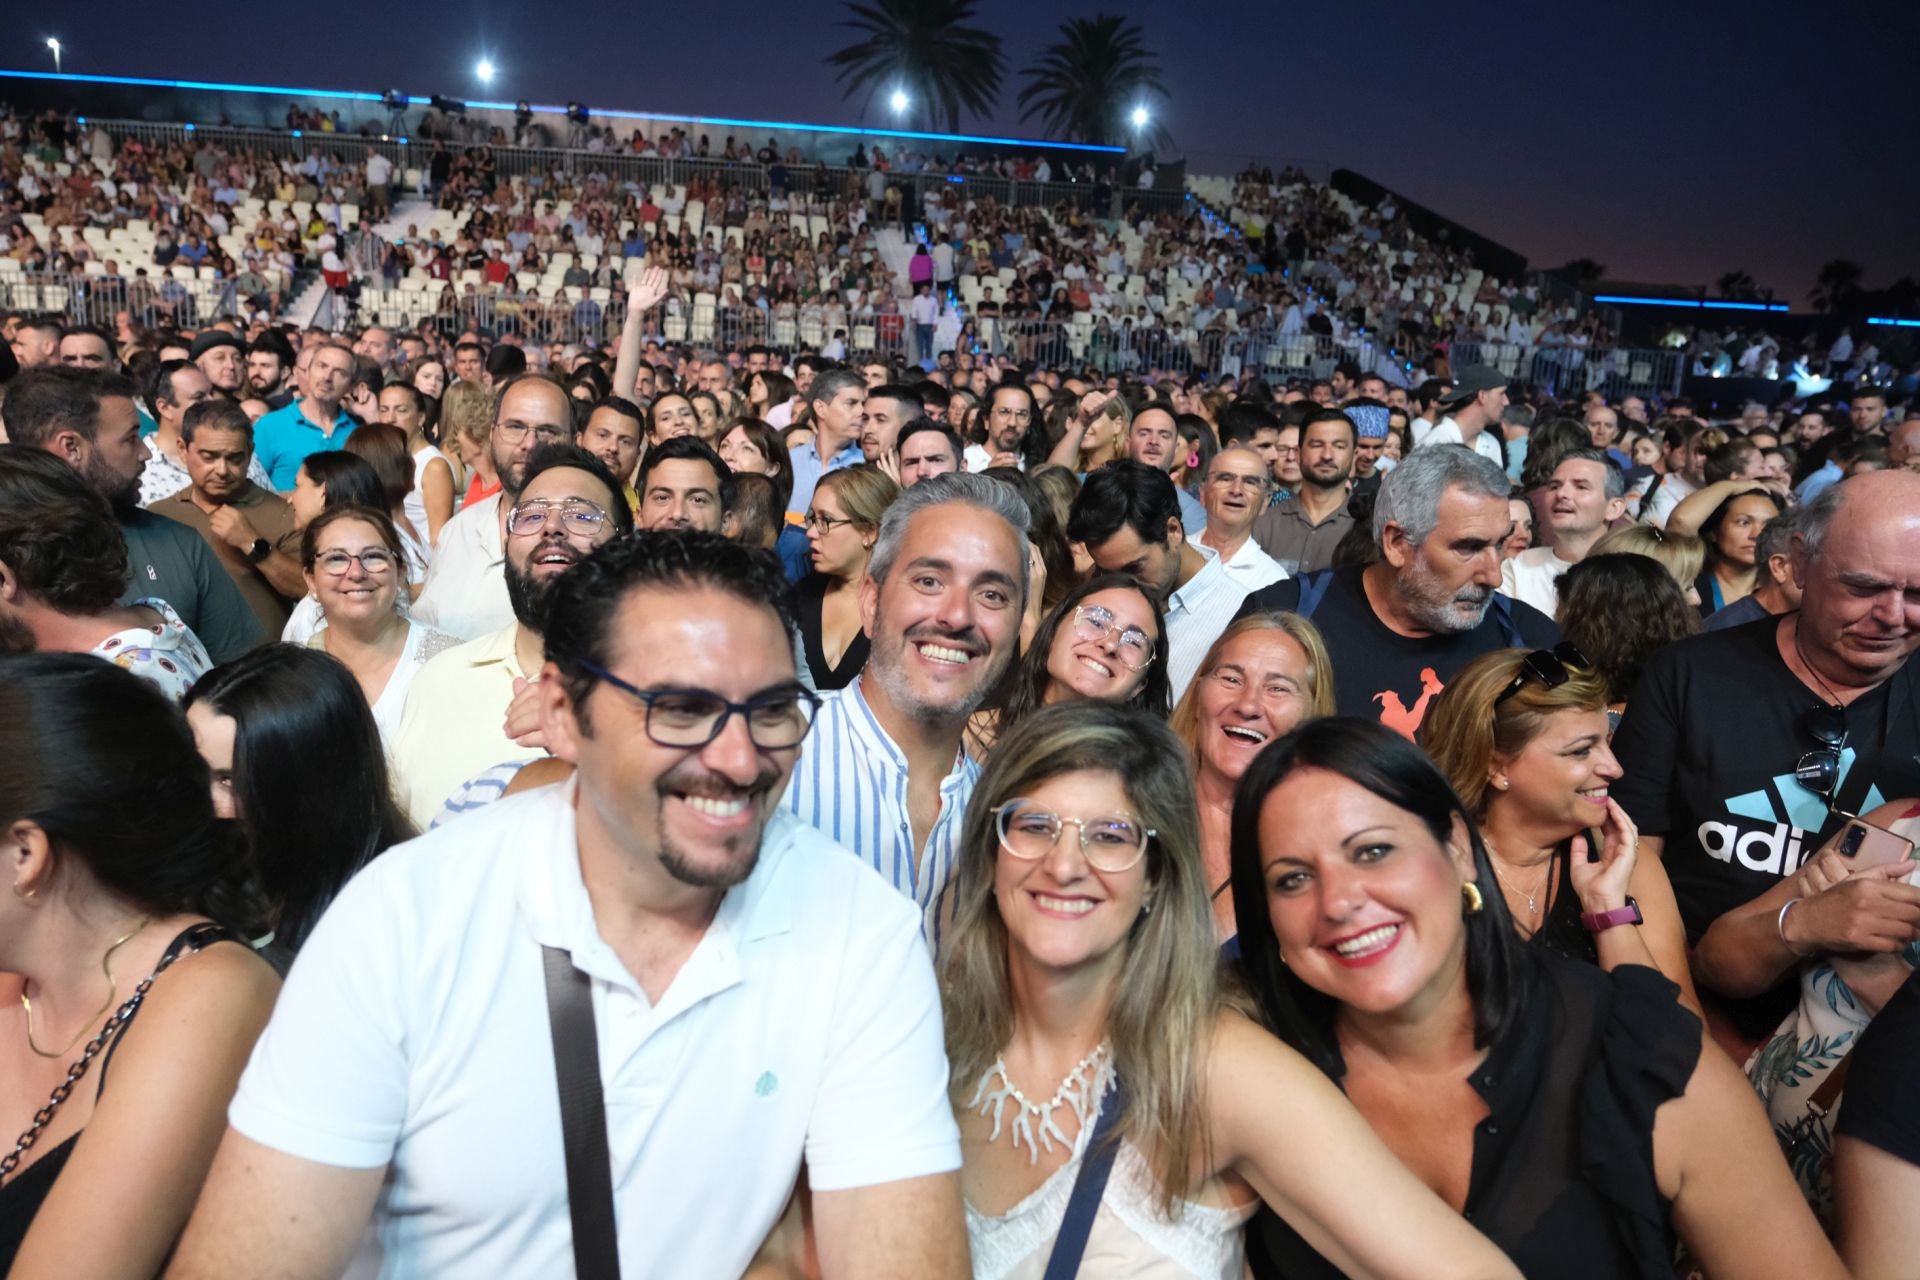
x=1619 y=610
x=57 y=534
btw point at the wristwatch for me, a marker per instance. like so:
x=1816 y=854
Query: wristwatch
x=259 y=551
x=1601 y=921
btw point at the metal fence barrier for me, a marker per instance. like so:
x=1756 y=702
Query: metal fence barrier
x=151 y=300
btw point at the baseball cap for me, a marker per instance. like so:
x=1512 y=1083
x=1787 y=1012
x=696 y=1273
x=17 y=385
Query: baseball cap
x=1471 y=382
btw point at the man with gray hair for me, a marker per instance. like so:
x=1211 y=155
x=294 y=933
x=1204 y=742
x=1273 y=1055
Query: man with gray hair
x=1585 y=495
x=1400 y=627
x=885 y=772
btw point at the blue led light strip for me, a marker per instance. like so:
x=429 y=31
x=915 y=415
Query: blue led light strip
x=1698 y=304
x=423 y=100
x=1894 y=321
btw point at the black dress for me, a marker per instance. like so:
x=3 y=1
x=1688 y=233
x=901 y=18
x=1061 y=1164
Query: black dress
x=812 y=591
x=1561 y=931
x=1563 y=1176
x=22 y=1196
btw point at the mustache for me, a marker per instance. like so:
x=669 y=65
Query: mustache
x=965 y=638
x=690 y=778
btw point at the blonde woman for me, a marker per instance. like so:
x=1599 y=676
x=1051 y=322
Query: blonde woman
x=1080 y=970
x=1680 y=554
x=1266 y=674
x=466 y=423
x=1096 y=434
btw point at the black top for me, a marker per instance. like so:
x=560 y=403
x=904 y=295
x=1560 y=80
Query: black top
x=1561 y=931
x=812 y=593
x=1379 y=673
x=23 y=1194
x=1879 y=1106
x=1709 y=743
x=1563 y=1176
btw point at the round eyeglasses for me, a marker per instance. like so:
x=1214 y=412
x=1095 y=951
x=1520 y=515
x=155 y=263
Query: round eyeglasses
x=375 y=562
x=1029 y=830
x=576 y=515
x=1096 y=622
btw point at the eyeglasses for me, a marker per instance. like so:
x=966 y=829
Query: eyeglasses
x=1096 y=622
x=826 y=524
x=776 y=721
x=1819 y=771
x=577 y=515
x=1029 y=831
x=374 y=562
x=1548 y=666
x=543 y=433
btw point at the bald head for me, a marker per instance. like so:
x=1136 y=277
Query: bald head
x=1903 y=445
x=1856 y=557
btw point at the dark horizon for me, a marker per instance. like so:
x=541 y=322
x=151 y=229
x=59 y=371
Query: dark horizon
x=1666 y=143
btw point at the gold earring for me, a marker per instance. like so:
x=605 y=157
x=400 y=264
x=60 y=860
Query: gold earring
x=1470 y=892
x=26 y=894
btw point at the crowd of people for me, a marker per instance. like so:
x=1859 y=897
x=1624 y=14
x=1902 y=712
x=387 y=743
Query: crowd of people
x=713 y=809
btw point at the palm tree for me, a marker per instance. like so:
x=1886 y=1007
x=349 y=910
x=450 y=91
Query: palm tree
x=1086 y=85
x=1837 y=285
x=926 y=49
x=1738 y=286
x=1585 y=271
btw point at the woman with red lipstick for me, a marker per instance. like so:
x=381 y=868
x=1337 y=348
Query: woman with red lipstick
x=1523 y=739
x=1576 y=1116
x=1095 y=1054
x=1265 y=675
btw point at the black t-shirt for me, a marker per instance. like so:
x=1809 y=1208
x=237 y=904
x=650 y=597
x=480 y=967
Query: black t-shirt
x=1879 y=1106
x=1383 y=675
x=1709 y=744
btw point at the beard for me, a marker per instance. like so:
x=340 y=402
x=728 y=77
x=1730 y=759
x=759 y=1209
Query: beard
x=121 y=492
x=886 y=666
x=529 y=596
x=15 y=635
x=1442 y=610
x=741 y=852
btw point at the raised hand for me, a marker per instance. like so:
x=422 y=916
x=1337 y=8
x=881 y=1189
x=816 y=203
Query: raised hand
x=648 y=290
x=1602 y=884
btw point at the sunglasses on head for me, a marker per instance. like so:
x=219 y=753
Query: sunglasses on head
x=1548 y=666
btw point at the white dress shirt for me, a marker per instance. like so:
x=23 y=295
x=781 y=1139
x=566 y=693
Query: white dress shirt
x=413 y=1035
x=1251 y=567
x=466 y=591
x=1196 y=615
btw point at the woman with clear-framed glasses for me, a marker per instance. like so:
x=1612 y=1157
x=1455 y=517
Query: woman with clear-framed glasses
x=355 y=564
x=1081 y=999
x=1106 y=641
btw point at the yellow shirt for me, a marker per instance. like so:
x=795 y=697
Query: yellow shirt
x=454 y=724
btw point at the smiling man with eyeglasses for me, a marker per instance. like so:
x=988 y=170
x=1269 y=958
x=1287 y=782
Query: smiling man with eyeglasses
x=476 y=706
x=754 y=996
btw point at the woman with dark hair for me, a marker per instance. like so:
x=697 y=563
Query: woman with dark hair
x=326 y=481
x=1080 y=964
x=1107 y=641
x=260 y=722
x=711 y=414
x=1196 y=450
x=429 y=501
x=767 y=391
x=123 y=886
x=751 y=446
x=1731 y=535
x=386 y=448
x=1050 y=568
x=1573 y=1115
x=1619 y=610
x=671 y=414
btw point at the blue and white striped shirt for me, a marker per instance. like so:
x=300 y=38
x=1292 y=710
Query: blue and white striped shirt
x=850 y=784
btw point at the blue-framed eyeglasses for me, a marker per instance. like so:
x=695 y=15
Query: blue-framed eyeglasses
x=777 y=720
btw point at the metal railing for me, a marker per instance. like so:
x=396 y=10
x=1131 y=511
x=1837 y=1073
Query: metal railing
x=623 y=167
x=1567 y=372
x=151 y=300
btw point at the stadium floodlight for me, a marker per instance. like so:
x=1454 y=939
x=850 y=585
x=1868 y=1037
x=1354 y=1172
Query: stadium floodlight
x=54 y=45
x=484 y=69
x=1140 y=117
x=899 y=102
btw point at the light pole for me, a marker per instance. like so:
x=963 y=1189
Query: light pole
x=55 y=46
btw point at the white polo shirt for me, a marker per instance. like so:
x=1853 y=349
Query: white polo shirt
x=466 y=591
x=1250 y=566
x=413 y=1034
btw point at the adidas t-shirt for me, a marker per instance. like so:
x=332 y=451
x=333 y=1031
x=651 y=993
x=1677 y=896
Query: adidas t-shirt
x=1379 y=673
x=1709 y=744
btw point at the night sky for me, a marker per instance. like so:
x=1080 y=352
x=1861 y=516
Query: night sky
x=1670 y=141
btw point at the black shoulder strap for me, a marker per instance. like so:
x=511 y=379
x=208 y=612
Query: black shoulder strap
x=583 y=1118
x=1313 y=588
x=1088 y=1186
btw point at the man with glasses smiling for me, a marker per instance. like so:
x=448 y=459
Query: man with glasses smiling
x=465 y=593
x=476 y=706
x=755 y=996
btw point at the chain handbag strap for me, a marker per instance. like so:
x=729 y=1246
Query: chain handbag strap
x=121 y=1016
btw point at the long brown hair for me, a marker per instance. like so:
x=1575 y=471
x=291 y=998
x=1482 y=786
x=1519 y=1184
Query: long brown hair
x=1167 y=997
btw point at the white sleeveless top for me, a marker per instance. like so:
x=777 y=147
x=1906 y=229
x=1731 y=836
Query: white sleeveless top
x=1130 y=1237
x=415 y=504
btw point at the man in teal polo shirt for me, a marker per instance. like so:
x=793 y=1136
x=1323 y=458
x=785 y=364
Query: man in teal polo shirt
x=285 y=438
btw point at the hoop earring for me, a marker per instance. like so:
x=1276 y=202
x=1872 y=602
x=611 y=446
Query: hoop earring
x=1470 y=893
